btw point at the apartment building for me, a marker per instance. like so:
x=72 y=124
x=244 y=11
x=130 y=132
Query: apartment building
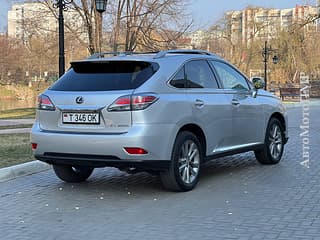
x=261 y=23
x=36 y=19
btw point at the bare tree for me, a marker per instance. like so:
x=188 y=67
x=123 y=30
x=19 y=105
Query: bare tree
x=90 y=21
x=11 y=51
x=148 y=24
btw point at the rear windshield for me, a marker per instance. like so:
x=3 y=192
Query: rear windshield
x=105 y=76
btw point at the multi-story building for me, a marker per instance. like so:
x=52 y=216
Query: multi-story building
x=261 y=23
x=198 y=37
x=201 y=38
x=35 y=18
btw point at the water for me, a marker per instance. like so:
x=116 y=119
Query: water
x=6 y=104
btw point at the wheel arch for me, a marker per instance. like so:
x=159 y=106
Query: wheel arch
x=281 y=118
x=198 y=132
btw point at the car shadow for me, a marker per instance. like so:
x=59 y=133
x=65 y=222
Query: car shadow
x=112 y=180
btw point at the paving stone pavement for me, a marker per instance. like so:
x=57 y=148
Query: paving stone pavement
x=236 y=198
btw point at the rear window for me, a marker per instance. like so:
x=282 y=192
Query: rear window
x=105 y=76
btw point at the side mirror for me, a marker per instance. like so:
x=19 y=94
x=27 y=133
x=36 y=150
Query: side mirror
x=258 y=83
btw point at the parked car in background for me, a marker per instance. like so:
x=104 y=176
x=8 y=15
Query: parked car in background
x=165 y=113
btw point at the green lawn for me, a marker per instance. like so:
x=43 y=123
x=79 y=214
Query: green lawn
x=18 y=113
x=15 y=149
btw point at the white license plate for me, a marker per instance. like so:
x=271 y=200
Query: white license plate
x=84 y=118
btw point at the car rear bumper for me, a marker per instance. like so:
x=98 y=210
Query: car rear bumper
x=63 y=147
x=102 y=161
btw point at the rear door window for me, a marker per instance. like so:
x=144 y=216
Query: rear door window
x=105 y=76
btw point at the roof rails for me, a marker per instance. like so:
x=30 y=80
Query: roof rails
x=102 y=54
x=162 y=54
x=121 y=54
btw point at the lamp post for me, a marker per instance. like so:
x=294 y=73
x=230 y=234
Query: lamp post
x=62 y=6
x=101 y=6
x=266 y=53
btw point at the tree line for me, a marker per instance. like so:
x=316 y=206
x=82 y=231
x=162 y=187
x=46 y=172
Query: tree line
x=152 y=25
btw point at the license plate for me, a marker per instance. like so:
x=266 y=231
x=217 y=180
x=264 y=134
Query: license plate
x=84 y=118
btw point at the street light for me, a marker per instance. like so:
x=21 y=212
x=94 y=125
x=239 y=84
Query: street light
x=101 y=6
x=275 y=59
x=266 y=53
x=62 y=6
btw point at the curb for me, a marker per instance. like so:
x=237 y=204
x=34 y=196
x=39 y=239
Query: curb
x=24 y=169
x=15 y=130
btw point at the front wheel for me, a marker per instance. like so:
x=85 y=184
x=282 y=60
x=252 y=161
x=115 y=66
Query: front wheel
x=273 y=148
x=69 y=173
x=183 y=174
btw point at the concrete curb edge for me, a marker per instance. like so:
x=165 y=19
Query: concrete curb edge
x=24 y=169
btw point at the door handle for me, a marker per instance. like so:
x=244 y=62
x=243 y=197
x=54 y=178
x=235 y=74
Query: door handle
x=235 y=102
x=199 y=103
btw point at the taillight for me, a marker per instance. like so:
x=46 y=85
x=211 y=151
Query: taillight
x=44 y=103
x=121 y=104
x=133 y=102
x=135 y=150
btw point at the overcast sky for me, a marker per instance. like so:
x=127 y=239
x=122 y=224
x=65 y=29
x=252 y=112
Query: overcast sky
x=204 y=12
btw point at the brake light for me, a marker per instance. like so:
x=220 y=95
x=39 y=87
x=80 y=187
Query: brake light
x=44 y=103
x=133 y=102
x=134 y=150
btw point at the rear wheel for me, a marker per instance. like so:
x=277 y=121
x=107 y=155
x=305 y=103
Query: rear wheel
x=273 y=145
x=72 y=173
x=183 y=174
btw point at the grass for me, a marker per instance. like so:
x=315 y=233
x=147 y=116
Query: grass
x=6 y=92
x=18 y=113
x=16 y=126
x=15 y=149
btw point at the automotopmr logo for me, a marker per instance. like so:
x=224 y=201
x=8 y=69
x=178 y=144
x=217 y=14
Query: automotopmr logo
x=305 y=124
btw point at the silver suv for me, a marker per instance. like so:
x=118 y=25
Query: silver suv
x=165 y=113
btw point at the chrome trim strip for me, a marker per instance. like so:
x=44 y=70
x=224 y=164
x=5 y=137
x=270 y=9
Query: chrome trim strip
x=231 y=148
x=72 y=108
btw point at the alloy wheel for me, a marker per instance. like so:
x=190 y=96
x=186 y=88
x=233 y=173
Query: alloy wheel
x=189 y=161
x=275 y=141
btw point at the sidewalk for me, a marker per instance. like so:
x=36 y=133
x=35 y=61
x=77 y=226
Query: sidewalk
x=312 y=102
x=12 y=122
x=15 y=130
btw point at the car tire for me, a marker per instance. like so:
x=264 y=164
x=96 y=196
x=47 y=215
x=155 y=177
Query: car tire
x=183 y=173
x=72 y=174
x=272 y=150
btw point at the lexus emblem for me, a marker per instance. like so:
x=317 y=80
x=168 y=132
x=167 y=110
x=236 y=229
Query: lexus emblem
x=79 y=100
